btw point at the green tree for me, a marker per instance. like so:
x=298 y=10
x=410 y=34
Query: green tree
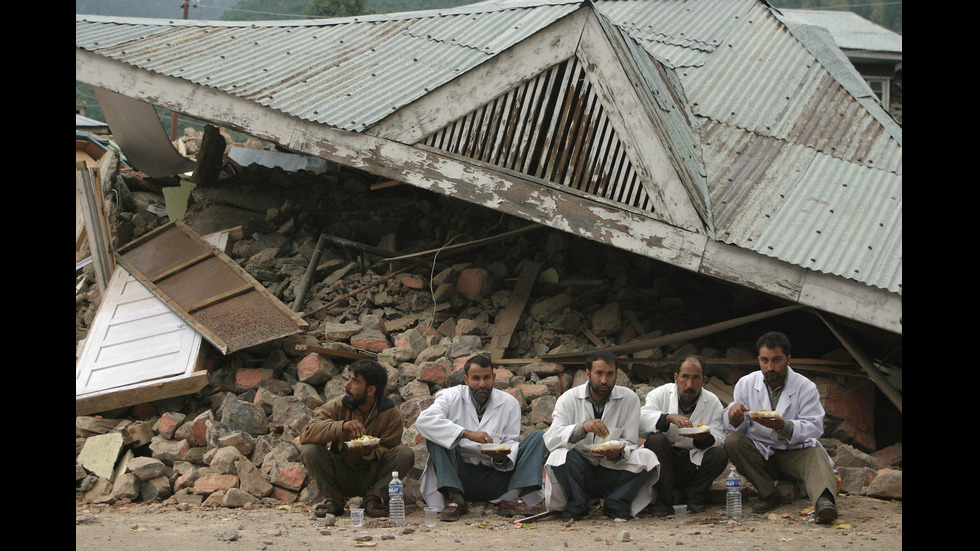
x=337 y=8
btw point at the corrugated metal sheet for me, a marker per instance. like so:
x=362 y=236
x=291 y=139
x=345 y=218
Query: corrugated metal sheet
x=850 y=30
x=335 y=72
x=554 y=128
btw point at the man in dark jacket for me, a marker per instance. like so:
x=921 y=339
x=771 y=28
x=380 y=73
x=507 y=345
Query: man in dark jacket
x=343 y=467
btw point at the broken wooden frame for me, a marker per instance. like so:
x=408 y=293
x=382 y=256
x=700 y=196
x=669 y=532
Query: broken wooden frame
x=208 y=289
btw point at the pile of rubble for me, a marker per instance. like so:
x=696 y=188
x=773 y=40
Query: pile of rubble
x=417 y=281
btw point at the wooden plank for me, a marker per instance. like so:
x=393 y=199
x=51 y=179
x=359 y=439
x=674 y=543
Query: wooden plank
x=89 y=196
x=335 y=353
x=113 y=399
x=507 y=319
x=866 y=363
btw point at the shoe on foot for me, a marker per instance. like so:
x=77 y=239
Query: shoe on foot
x=766 y=504
x=613 y=514
x=660 y=509
x=695 y=507
x=517 y=506
x=568 y=515
x=453 y=511
x=826 y=509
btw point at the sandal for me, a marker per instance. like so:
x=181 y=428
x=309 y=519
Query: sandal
x=373 y=507
x=329 y=506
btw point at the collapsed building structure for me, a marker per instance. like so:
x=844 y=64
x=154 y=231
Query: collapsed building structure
x=712 y=137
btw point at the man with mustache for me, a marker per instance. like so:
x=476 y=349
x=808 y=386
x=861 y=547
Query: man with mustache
x=786 y=445
x=594 y=413
x=463 y=418
x=689 y=463
x=340 y=471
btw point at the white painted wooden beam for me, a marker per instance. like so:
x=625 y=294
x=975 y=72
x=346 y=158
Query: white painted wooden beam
x=644 y=144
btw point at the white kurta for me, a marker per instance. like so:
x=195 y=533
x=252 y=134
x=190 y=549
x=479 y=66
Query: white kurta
x=453 y=412
x=664 y=400
x=799 y=403
x=622 y=417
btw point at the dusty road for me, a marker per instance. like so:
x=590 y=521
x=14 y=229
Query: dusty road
x=864 y=524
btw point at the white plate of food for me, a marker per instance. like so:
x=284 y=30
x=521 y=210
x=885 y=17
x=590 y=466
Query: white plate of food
x=606 y=446
x=498 y=447
x=700 y=429
x=764 y=414
x=363 y=441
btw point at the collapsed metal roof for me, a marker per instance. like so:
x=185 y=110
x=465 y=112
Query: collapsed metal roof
x=703 y=133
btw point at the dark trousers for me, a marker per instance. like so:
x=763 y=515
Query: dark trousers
x=680 y=480
x=482 y=482
x=332 y=475
x=582 y=481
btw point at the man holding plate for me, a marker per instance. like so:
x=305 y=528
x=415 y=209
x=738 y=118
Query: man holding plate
x=682 y=425
x=593 y=447
x=344 y=463
x=472 y=434
x=773 y=424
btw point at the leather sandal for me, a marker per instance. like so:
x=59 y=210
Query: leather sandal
x=452 y=511
x=373 y=507
x=329 y=506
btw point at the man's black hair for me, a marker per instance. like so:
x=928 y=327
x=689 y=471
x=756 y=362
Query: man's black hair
x=773 y=340
x=695 y=357
x=374 y=374
x=479 y=360
x=603 y=355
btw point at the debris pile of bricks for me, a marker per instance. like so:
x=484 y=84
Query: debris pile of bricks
x=234 y=443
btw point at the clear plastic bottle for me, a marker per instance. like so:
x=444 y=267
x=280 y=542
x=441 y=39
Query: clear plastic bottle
x=733 y=487
x=396 y=501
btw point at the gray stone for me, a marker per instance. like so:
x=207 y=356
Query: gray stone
x=146 y=468
x=855 y=479
x=242 y=441
x=846 y=455
x=289 y=411
x=100 y=453
x=127 y=486
x=251 y=480
x=432 y=353
x=156 y=489
x=541 y=409
x=414 y=389
x=412 y=408
x=886 y=485
x=608 y=320
x=244 y=416
x=168 y=451
x=236 y=497
x=224 y=460
x=340 y=331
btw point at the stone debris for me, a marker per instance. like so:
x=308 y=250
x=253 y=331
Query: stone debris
x=234 y=444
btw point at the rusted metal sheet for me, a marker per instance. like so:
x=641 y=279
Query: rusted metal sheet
x=208 y=289
x=552 y=127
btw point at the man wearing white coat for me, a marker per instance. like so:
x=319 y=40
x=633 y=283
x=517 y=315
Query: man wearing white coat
x=762 y=446
x=461 y=419
x=682 y=425
x=595 y=413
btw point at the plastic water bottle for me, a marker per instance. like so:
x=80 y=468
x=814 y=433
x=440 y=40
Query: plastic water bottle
x=733 y=487
x=396 y=501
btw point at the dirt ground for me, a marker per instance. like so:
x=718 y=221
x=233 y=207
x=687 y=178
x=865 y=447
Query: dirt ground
x=864 y=523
